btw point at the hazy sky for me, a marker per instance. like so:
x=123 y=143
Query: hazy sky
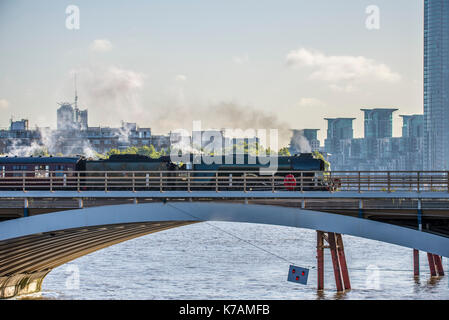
x=167 y=62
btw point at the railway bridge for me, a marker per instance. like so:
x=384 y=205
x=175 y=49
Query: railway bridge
x=49 y=220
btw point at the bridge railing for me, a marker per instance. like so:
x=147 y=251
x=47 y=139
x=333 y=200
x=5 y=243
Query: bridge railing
x=247 y=181
x=391 y=181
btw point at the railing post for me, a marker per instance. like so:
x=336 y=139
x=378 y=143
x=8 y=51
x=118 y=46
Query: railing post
x=23 y=181
x=389 y=181
x=359 y=183
x=272 y=183
x=447 y=181
x=302 y=182
x=417 y=182
x=410 y=180
x=134 y=181
x=244 y=181
x=78 y=181
x=51 y=181
x=160 y=181
x=216 y=181
x=188 y=182
x=105 y=182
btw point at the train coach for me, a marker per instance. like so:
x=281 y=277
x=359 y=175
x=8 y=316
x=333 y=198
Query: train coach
x=39 y=167
x=123 y=171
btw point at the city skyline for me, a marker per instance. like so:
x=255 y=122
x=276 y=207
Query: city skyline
x=192 y=68
x=377 y=150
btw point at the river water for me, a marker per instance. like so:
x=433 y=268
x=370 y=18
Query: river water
x=213 y=260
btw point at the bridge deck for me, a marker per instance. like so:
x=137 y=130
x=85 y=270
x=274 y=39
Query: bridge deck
x=412 y=199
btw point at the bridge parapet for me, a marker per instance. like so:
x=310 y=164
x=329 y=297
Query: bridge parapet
x=242 y=181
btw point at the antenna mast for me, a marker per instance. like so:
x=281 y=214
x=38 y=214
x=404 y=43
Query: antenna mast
x=76 y=95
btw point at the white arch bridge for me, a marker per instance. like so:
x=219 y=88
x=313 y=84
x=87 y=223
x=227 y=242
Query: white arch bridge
x=42 y=229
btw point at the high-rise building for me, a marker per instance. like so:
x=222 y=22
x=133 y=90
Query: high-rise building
x=65 y=117
x=312 y=136
x=378 y=123
x=81 y=119
x=378 y=130
x=304 y=141
x=436 y=85
x=338 y=129
x=20 y=125
x=412 y=141
x=412 y=126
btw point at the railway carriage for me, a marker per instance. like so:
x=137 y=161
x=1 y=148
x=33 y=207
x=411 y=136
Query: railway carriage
x=39 y=167
x=128 y=170
x=38 y=172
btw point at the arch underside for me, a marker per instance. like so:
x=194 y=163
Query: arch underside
x=25 y=261
x=31 y=247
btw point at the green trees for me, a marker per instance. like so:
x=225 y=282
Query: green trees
x=284 y=152
x=149 y=151
x=318 y=155
x=242 y=147
x=41 y=151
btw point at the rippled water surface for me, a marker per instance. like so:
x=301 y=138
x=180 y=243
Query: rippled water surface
x=200 y=261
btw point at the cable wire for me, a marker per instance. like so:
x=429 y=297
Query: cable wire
x=237 y=237
x=267 y=251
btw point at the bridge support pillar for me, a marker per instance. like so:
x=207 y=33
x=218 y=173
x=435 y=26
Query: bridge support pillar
x=336 y=247
x=419 y=215
x=335 y=261
x=320 y=259
x=25 y=207
x=361 y=209
x=432 y=266
x=439 y=264
x=435 y=264
x=415 y=263
x=342 y=259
